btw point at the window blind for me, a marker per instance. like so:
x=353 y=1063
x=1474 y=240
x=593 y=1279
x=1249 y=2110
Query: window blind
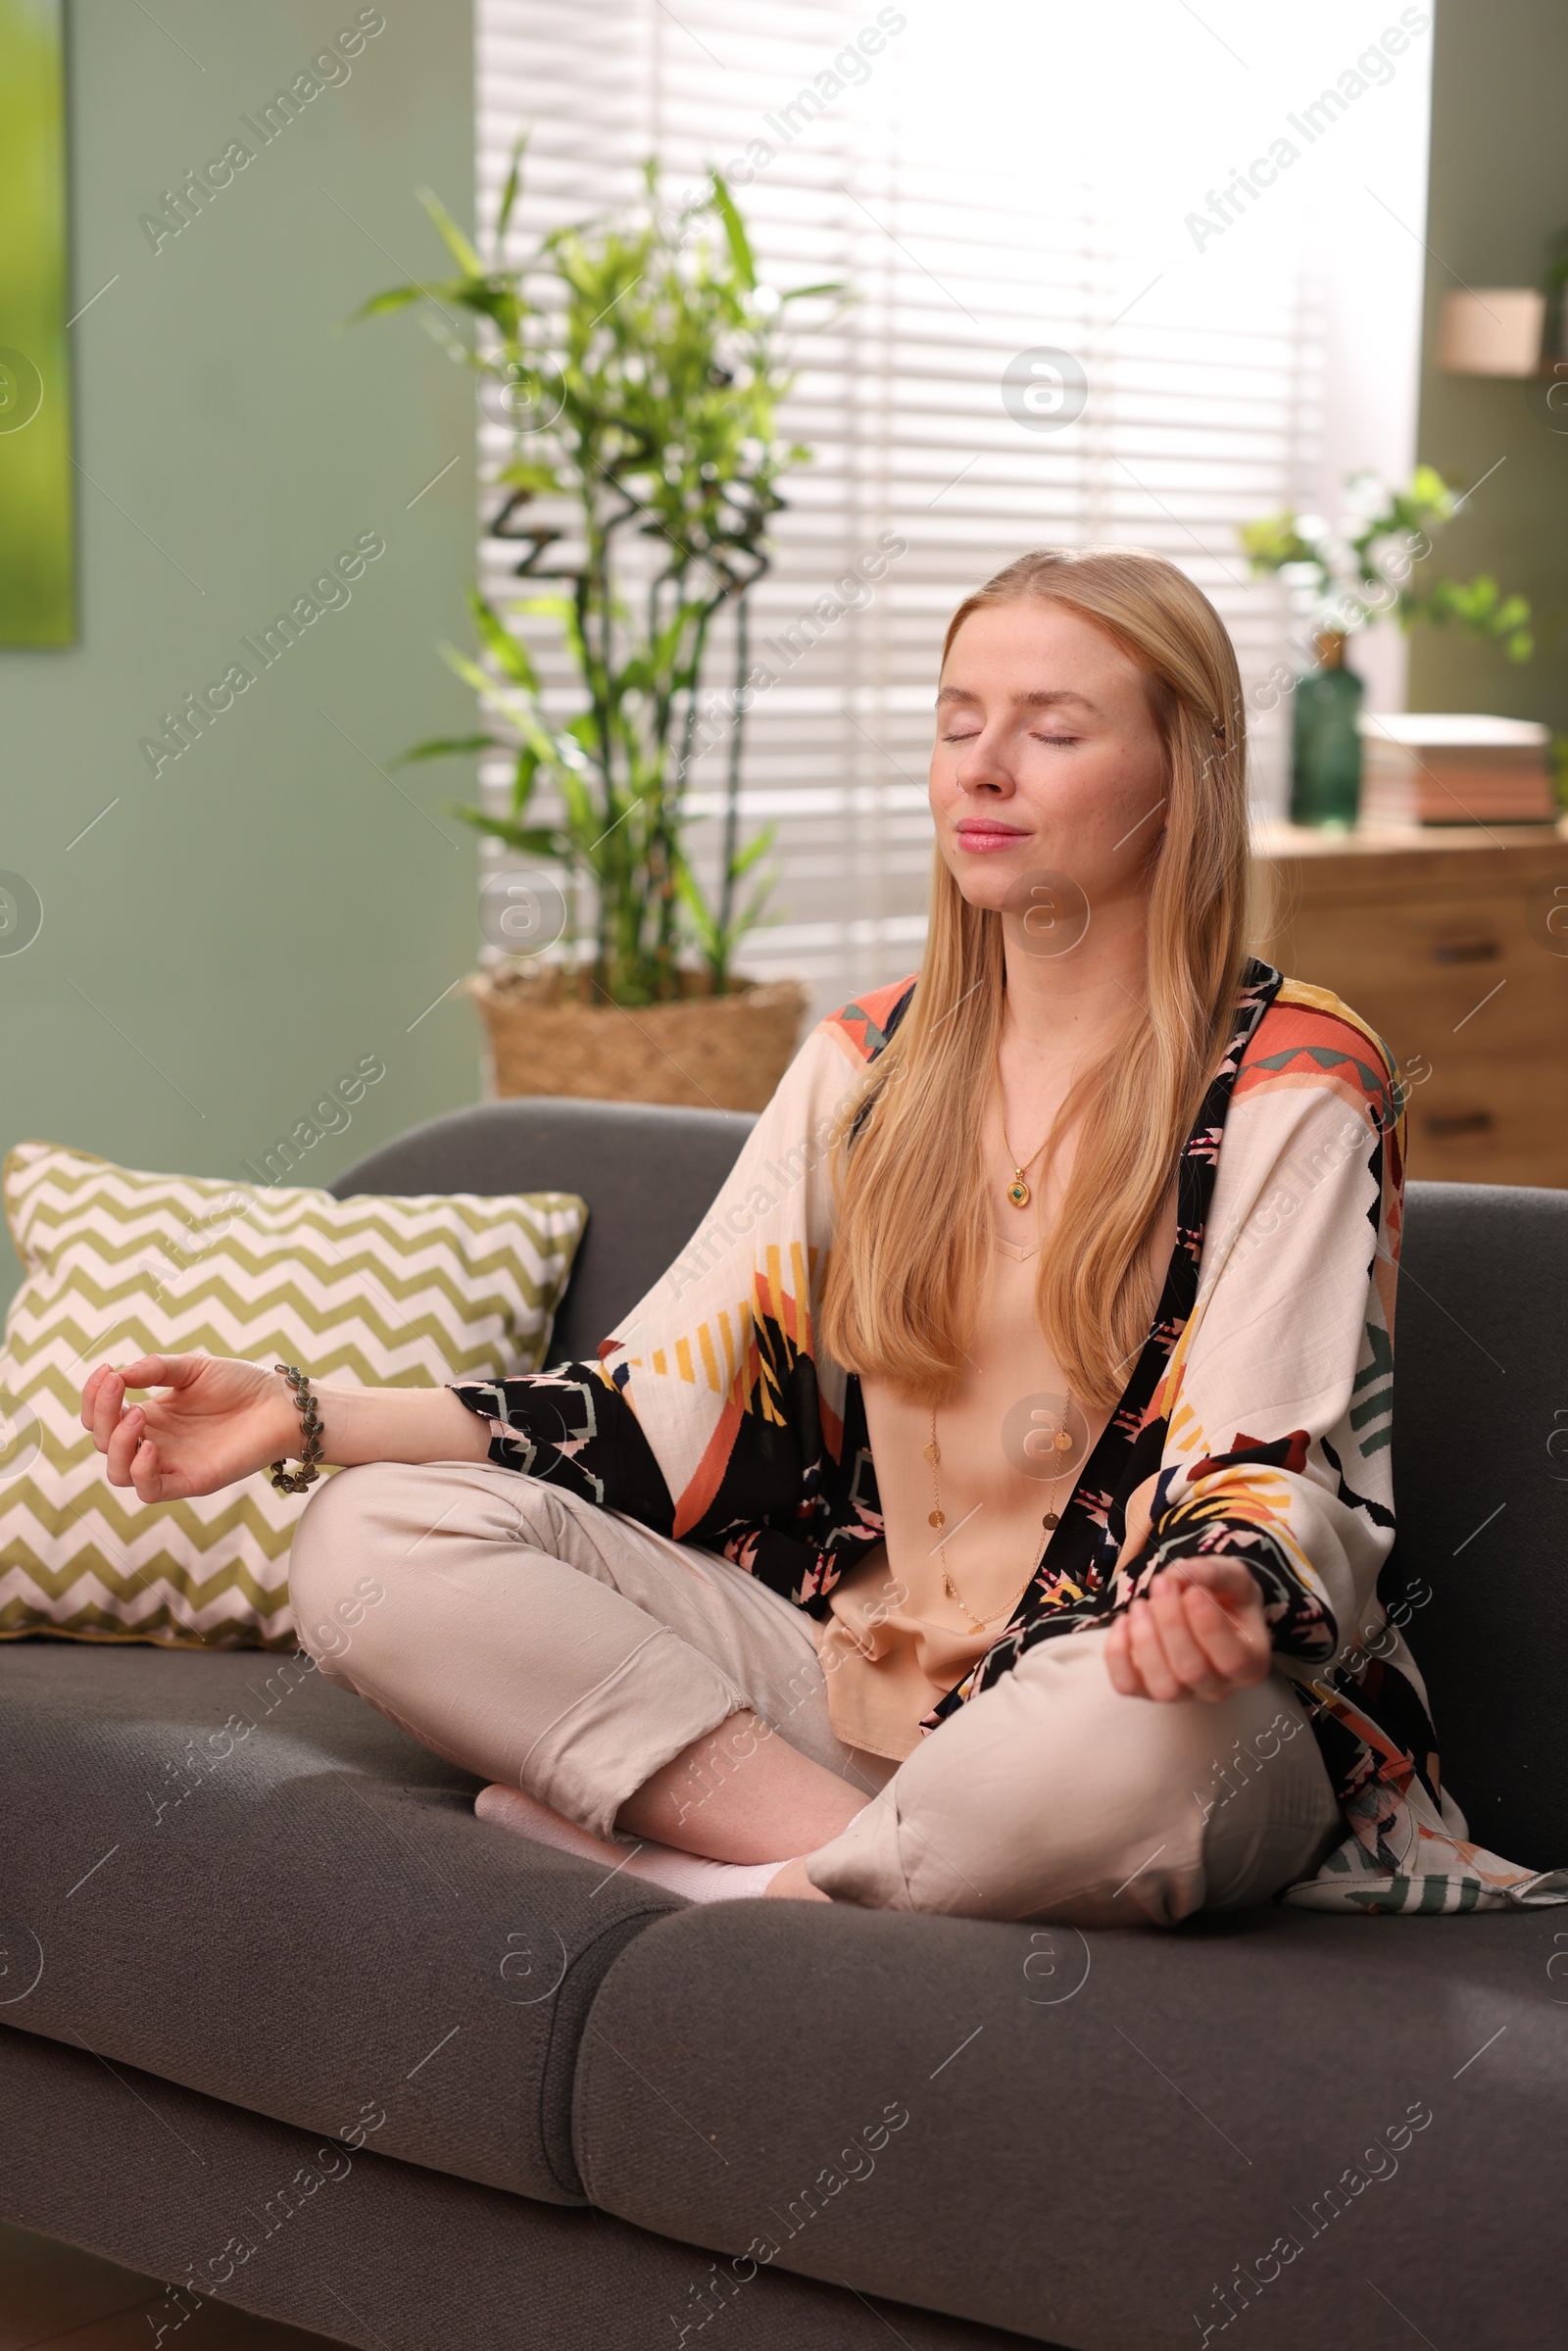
x=935 y=432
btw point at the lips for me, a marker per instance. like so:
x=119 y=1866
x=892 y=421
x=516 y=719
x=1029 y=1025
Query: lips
x=988 y=836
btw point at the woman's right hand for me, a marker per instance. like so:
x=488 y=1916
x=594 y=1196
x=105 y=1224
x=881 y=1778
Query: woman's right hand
x=217 y=1421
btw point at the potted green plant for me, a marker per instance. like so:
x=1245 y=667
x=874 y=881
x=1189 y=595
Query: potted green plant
x=1362 y=571
x=635 y=361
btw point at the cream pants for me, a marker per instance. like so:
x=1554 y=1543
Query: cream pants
x=568 y=1650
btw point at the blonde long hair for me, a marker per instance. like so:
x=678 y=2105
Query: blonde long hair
x=913 y=1220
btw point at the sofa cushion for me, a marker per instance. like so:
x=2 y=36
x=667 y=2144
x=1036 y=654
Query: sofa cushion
x=365 y=2249
x=404 y=1292
x=223 y=1870
x=1082 y=2137
x=1481 y=1492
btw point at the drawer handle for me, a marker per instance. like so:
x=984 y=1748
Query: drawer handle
x=1458 y=1122
x=1466 y=951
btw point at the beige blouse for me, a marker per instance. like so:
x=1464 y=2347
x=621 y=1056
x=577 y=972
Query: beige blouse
x=895 y=1642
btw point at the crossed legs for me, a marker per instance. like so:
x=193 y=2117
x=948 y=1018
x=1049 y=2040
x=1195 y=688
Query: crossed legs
x=641 y=1688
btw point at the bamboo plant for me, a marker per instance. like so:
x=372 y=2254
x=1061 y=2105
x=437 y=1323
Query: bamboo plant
x=635 y=359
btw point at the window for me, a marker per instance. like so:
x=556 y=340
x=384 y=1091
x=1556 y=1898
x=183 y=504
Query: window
x=995 y=184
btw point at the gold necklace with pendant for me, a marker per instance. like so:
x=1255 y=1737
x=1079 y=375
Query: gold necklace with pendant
x=1019 y=1191
x=936 y=1517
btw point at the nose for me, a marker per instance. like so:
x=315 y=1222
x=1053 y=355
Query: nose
x=982 y=765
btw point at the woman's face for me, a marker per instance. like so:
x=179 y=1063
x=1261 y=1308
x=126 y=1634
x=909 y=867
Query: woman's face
x=1047 y=762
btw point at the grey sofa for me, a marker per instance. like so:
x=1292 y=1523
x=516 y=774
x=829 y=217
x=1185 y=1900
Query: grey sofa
x=314 y=2037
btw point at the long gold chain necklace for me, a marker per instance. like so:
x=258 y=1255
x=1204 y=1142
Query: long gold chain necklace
x=936 y=1517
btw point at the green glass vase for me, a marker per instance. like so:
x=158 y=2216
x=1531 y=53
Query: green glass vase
x=1326 y=741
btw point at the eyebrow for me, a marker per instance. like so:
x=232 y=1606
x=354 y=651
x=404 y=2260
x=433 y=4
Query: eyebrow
x=1041 y=699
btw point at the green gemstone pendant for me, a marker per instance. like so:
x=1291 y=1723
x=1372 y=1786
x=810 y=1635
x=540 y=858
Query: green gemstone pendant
x=1018 y=1193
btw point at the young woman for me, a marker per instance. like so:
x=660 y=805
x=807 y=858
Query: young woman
x=984 y=1514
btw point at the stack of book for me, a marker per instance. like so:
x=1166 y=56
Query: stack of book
x=1447 y=767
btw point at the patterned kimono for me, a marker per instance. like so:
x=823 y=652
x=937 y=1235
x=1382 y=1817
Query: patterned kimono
x=1257 y=1420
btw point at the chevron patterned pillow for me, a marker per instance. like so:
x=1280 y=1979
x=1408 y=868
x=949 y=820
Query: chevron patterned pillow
x=384 y=1292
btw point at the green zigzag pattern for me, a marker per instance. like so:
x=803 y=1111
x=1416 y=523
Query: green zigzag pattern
x=496 y=1267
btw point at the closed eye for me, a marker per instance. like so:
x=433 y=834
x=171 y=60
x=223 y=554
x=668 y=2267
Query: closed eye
x=973 y=734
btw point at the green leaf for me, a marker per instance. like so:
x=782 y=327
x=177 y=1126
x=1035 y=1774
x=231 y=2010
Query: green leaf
x=445 y=747
x=1273 y=541
x=509 y=194
x=450 y=235
x=527 y=473
x=740 y=248
x=509 y=652
x=457 y=352
x=1429 y=491
x=514 y=707
x=704 y=921
x=747 y=858
x=530 y=840
x=396 y=298
x=751 y=914
x=488 y=689
x=588 y=826
x=524 y=776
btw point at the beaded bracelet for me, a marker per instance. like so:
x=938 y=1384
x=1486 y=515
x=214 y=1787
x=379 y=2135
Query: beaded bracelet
x=290 y=1481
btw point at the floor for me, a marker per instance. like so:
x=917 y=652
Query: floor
x=51 y=2293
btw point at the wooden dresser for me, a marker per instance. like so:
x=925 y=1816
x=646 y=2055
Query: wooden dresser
x=1453 y=943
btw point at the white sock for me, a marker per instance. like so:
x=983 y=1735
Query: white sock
x=690 y=1873
x=700 y=1880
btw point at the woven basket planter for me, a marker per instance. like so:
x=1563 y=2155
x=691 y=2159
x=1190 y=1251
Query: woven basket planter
x=723 y=1053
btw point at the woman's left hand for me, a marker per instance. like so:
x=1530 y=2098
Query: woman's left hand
x=1199 y=1634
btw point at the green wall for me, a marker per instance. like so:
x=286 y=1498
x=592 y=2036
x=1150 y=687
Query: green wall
x=1499 y=191
x=268 y=910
